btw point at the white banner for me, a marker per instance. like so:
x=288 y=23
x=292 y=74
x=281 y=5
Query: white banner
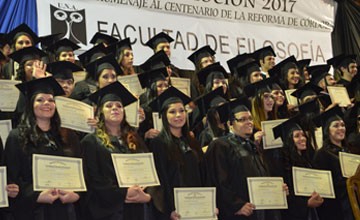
x=79 y=20
x=310 y=14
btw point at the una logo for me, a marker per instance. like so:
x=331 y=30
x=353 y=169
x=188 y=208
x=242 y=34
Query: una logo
x=71 y=23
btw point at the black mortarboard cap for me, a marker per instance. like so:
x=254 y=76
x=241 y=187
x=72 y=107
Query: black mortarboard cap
x=238 y=61
x=63 y=45
x=27 y=53
x=203 y=102
x=324 y=118
x=202 y=52
x=263 y=52
x=227 y=110
x=113 y=92
x=318 y=72
x=342 y=60
x=282 y=130
x=310 y=107
x=158 y=104
x=106 y=62
x=205 y=74
x=48 y=40
x=303 y=63
x=147 y=78
x=307 y=90
x=4 y=39
x=157 y=60
x=252 y=89
x=20 y=30
x=248 y=68
x=325 y=100
x=46 y=85
x=161 y=37
x=92 y=54
x=119 y=46
x=282 y=67
x=102 y=38
x=63 y=69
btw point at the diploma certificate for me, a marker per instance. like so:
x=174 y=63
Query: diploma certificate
x=132 y=115
x=4 y=202
x=306 y=181
x=5 y=128
x=267 y=192
x=292 y=100
x=74 y=114
x=268 y=139
x=131 y=82
x=339 y=94
x=9 y=95
x=157 y=121
x=182 y=84
x=195 y=203
x=348 y=163
x=135 y=169
x=319 y=137
x=57 y=172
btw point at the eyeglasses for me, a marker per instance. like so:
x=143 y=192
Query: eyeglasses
x=242 y=120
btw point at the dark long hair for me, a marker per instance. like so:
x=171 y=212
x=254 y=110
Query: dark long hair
x=169 y=139
x=326 y=132
x=29 y=132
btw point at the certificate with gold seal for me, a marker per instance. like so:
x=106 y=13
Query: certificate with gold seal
x=348 y=163
x=267 y=192
x=74 y=114
x=4 y=201
x=57 y=172
x=306 y=181
x=135 y=169
x=196 y=203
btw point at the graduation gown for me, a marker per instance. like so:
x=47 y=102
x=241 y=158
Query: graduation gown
x=19 y=169
x=297 y=205
x=327 y=158
x=229 y=161
x=104 y=199
x=172 y=173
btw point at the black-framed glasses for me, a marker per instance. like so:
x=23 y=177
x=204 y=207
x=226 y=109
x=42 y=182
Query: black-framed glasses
x=244 y=119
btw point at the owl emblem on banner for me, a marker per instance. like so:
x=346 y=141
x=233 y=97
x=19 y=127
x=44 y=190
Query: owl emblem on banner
x=71 y=23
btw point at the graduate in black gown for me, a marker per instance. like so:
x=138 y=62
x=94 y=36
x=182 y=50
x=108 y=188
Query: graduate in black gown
x=38 y=133
x=345 y=68
x=327 y=158
x=229 y=161
x=177 y=154
x=105 y=200
x=294 y=150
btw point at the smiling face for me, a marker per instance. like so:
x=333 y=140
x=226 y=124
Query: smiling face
x=44 y=106
x=299 y=139
x=67 y=56
x=219 y=83
x=337 y=131
x=293 y=76
x=268 y=102
x=176 y=116
x=113 y=112
x=279 y=96
x=243 y=124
